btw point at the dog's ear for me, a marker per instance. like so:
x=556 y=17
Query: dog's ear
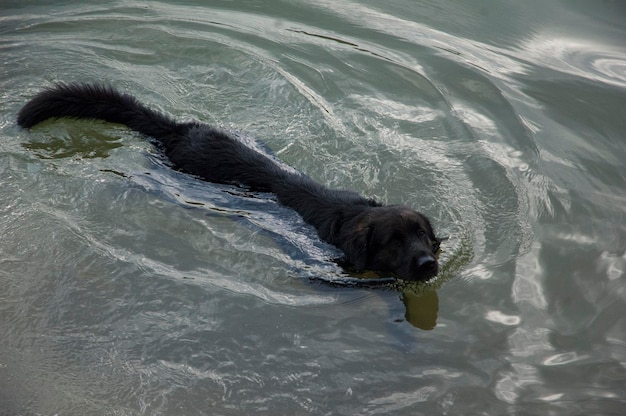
x=357 y=246
x=437 y=243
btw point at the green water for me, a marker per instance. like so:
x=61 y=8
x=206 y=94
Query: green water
x=129 y=288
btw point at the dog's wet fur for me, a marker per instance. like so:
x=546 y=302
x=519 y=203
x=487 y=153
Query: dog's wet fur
x=390 y=239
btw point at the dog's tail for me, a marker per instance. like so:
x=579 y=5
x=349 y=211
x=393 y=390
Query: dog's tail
x=94 y=101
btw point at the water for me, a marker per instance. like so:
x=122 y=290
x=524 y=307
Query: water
x=128 y=288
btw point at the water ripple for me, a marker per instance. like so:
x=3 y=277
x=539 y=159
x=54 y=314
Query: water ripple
x=582 y=58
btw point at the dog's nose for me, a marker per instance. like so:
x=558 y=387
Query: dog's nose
x=426 y=266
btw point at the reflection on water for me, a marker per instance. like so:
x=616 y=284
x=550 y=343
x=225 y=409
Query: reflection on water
x=421 y=310
x=73 y=140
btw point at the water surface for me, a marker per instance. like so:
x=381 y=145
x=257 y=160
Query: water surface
x=129 y=288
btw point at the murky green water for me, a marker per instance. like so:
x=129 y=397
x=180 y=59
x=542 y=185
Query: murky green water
x=128 y=288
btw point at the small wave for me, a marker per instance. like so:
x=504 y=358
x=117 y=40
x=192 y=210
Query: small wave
x=581 y=57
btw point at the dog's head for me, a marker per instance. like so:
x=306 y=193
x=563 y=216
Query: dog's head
x=394 y=239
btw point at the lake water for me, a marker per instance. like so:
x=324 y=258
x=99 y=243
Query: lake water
x=129 y=288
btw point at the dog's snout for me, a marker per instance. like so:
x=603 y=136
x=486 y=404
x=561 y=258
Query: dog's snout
x=427 y=266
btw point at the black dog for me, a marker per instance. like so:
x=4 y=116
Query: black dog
x=374 y=237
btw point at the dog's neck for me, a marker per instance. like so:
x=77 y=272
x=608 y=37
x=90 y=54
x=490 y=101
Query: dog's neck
x=318 y=204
